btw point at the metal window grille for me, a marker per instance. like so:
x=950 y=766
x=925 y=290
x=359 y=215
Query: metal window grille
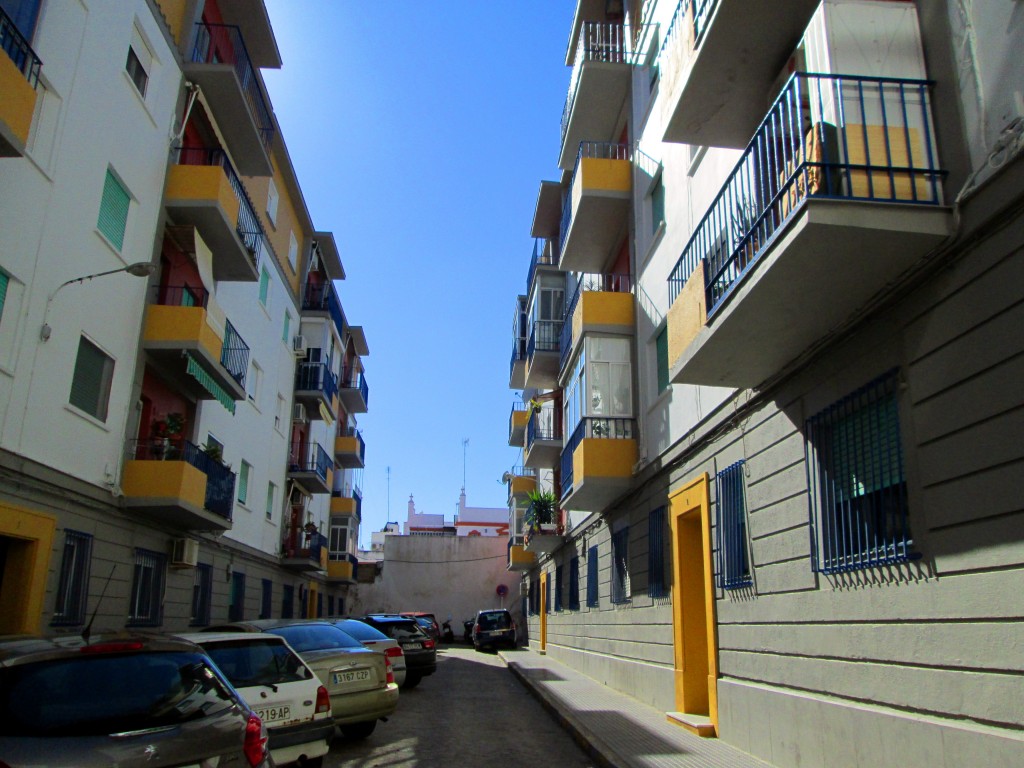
x=859 y=511
x=547 y=595
x=733 y=567
x=574 y=584
x=558 y=587
x=266 y=596
x=656 y=553
x=73 y=588
x=592 y=577
x=236 y=605
x=147 y=597
x=202 y=595
x=303 y=607
x=319 y=604
x=287 y=601
x=330 y=605
x=620 y=566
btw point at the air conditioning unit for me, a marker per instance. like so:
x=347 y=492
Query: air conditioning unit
x=185 y=553
x=299 y=345
x=299 y=413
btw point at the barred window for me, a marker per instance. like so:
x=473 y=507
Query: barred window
x=147 y=597
x=287 y=601
x=859 y=509
x=73 y=587
x=558 y=587
x=620 y=566
x=266 y=597
x=202 y=595
x=592 y=598
x=574 y=584
x=656 y=553
x=236 y=604
x=731 y=522
x=547 y=595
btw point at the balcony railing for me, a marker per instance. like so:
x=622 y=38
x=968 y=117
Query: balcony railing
x=220 y=481
x=353 y=378
x=599 y=42
x=180 y=295
x=602 y=150
x=316 y=377
x=351 y=492
x=544 y=336
x=360 y=444
x=545 y=252
x=315 y=296
x=17 y=48
x=607 y=283
x=234 y=354
x=605 y=429
x=309 y=457
x=548 y=429
x=826 y=136
x=248 y=226
x=298 y=543
x=223 y=44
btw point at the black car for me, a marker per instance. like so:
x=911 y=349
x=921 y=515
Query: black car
x=419 y=648
x=494 y=628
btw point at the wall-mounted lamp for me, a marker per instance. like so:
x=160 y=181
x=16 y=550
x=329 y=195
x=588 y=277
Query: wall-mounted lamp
x=138 y=269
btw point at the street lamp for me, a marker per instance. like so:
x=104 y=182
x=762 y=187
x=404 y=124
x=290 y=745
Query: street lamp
x=138 y=269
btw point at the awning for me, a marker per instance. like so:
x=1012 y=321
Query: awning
x=197 y=372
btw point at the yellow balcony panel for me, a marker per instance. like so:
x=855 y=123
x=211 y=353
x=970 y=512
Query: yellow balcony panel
x=544 y=438
x=519 y=559
x=344 y=505
x=603 y=312
x=16 y=108
x=519 y=486
x=716 y=77
x=173 y=492
x=349 y=451
x=341 y=571
x=170 y=331
x=202 y=196
x=814 y=277
x=599 y=198
x=602 y=471
x=517 y=422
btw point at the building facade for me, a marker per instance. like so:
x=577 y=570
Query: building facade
x=765 y=351
x=176 y=442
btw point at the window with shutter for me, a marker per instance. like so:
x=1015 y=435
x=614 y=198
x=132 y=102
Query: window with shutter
x=264 y=286
x=113 y=211
x=90 y=385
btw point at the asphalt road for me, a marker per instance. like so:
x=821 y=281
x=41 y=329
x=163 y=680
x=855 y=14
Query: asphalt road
x=472 y=712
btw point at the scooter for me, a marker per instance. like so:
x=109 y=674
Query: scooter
x=446 y=631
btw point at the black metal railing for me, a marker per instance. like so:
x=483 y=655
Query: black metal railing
x=354 y=378
x=223 y=44
x=826 y=136
x=592 y=427
x=309 y=458
x=234 y=355
x=545 y=425
x=599 y=42
x=545 y=336
x=360 y=445
x=545 y=252
x=605 y=283
x=179 y=295
x=220 y=480
x=315 y=297
x=316 y=377
x=600 y=150
x=18 y=50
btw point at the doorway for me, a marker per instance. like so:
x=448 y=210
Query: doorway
x=26 y=541
x=543 y=612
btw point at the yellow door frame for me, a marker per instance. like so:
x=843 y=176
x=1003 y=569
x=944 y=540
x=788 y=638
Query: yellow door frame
x=31 y=537
x=543 y=611
x=694 y=631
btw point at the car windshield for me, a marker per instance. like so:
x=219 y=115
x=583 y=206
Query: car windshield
x=490 y=621
x=99 y=694
x=360 y=631
x=315 y=637
x=256 y=661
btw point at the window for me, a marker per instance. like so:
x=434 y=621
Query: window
x=243 y=481
x=279 y=413
x=113 y=217
x=657 y=204
x=293 y=251
x=266 y=597
x=620 y=566
x=147 y=596
x=319 y=605
x=287 y=601
x=302 y=602
x=661 y=345
x=558 y=587
x=90 y=384
x=330 y=605
x=236 y=602
x=253 y=381
x=202 y=595
x=859 y=509
x=547 y=594
x=600 y=388
x=286 y=333
x=4 y=280
x=73 y=587
x=272 y=198
x=656 y=553
x=271 y=493
x=733 y=569
x=592 y=577
x=264 y=285
x=574 y=584
x=339 y=538
x=136 y=71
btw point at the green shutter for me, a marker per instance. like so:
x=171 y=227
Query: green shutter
x=264 y=286
x=287 y=327
x=113 y=211
x=3 y=292
x=662 y=345
x=90 y=385
x=657 y=205
x=243 y=483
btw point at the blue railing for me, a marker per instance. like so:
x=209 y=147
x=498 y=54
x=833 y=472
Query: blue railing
x=599 y=41
x=676 y=31
x=220 y=487
x=605 y=283
x=702 y=11
x=223 y=44
x=248 y=226
x=601 y=150
x=321 y=297
x=545 y=336
x=316 y=377
x=234 y=355
x=317 y=543
x=552 y=430
x=591 y=427
x=17 y=48
x=545 y=252
x=827 y=136
x=360 y=445
x=356 y=379
x=310 y=457
x=518 y=354
x=220 y=481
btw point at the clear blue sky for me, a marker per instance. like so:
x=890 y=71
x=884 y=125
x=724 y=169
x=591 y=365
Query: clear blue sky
x=420 y=133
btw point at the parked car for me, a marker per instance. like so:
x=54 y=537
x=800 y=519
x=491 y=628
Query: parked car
x=493 y=628
x=280 y=688
x=419 y=648
x=426 y=620
x=378 y=641
x=129 y=700
x=360 y=681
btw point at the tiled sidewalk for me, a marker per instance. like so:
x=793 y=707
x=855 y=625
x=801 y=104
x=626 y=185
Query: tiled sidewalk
x=617 y=730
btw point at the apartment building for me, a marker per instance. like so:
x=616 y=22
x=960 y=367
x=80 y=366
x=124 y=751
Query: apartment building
x=768 y=327
x=160 y=276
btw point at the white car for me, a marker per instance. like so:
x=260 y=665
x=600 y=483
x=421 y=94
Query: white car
x=378 y=641
x=279 y=687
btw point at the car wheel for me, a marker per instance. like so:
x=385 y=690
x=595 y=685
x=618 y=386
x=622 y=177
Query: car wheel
x=358 y=730
x=411 y=681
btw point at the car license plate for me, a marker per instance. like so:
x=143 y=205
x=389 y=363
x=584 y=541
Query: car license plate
x=273 y=714
x=414 y=646
x=354 y=676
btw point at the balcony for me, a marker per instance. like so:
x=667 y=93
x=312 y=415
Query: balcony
x=303 y=550
x=348 y=502
x=355 y=392
x=600 y=304
x=542 y=354
x=543 y=438
x=219 y=63
x=341 y=568
x=316 y=387
x=204 y=191
x=321 y=300
x=178 y=484
x=719 y=60
x=517 y=420
x=545 y=259
x=545 y=539
x=517 y=365
x=310 y=467
x=349 y=449
x=19 y=76
x=547 y=216
x=810 y=225
x=598 y=85
x=521 y=480
x=519 y=559
x=597 y=463
x=183 y=345
x=595 y=215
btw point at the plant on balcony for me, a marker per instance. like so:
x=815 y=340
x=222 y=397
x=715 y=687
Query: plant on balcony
x=166 y=435
x=540 y=513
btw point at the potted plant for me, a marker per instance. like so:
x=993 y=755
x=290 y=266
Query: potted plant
x=165 y=434
x=540 y=513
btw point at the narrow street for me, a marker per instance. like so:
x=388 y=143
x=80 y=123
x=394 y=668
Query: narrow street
x=471 y=712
